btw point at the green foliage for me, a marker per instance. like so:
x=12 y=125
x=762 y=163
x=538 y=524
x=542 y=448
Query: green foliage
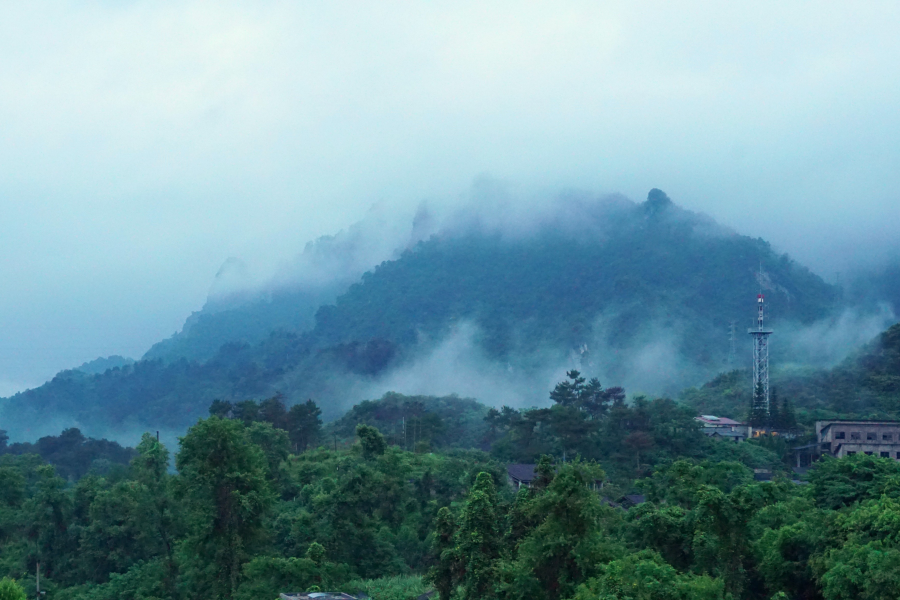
x=268 y=576
x=143 y=581
x=447 y=557
x=478 y=539
x=645 y=576
x=445 y=422
x=567 y=545
x=371 y=441
x=10 y=590
x=388 y=588
x=865 y=386
x=628 y=440
x=244 y=518
x=73 y=454
x=837 y=483
x=758 y=414
x=304 y=425
x=224 y=485
x=865 y=560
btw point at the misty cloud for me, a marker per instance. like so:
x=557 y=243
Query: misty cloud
x=458 y=365
x=143 y=144
x=828 y=342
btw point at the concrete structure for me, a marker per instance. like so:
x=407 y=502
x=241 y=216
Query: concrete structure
x=724 y=428
x=845 y=438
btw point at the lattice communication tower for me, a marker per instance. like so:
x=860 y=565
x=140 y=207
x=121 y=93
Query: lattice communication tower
x=761 y=353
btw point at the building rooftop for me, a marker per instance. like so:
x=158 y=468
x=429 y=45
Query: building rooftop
x=859 y=422
x=711 y=431
x=717 y=421
x=316 y=596
x=523 y=473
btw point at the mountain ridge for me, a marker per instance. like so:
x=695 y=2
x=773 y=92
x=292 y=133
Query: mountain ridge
x=621 y=289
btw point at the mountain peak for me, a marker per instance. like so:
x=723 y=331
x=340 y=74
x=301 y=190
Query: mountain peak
x=657 y=201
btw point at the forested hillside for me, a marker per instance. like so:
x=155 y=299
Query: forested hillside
x=261 y=503
x=865 y=385
x=643 y=293
x=644 y=266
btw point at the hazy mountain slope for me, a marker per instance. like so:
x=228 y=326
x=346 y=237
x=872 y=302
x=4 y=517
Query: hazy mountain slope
x=241 y=309
x=648 y=290
x=207 y=330
x=645 y=268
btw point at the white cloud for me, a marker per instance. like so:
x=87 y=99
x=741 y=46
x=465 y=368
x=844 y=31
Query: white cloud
x=143 y=143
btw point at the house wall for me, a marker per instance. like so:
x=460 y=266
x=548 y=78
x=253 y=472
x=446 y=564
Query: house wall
x=844 y=438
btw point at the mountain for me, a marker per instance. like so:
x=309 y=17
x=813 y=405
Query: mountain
x=240 y=310
x=640 y=294
x=101 y=365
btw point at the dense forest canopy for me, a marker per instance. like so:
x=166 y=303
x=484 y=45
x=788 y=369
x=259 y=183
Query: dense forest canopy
x=630 y=500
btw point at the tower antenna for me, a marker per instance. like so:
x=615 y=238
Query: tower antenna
x=761 y=350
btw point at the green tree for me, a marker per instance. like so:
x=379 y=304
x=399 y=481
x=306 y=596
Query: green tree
x=645 y=576
x=220 y=408
x=10 y=590
x=246 y=411
x=446 y=571
x=273 y=411
x=841 y=482
x=568 y=544
x=304 y=425
x=568 y=393
x=49 y=512
x=224 y=487
x=478 y=539
x=864 y=561
x=788 y=418
x=371 y=441
x=722 y=541
x=759 y=416
x=157 y=507
x=775 y=420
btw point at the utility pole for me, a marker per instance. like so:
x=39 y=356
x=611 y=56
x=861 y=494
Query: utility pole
x=732 y=338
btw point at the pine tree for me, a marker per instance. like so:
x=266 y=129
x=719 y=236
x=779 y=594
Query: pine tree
x=758 y=413
x=774 y=420
x=788 y=419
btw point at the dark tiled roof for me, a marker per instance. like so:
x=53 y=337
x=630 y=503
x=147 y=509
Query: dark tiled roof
x=717 y=421
x=636 y=498
x=523 y=473
x=317 y=596
x=728 y=433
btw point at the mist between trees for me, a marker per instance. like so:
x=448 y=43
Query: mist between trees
x=407 y=494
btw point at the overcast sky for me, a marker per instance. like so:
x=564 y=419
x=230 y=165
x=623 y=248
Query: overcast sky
x=143 y=143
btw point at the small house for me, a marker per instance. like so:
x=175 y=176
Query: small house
x=723 y=428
